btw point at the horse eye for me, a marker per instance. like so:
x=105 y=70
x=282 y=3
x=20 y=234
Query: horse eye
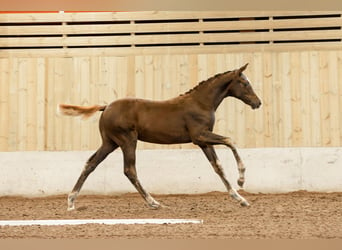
x=245 y=83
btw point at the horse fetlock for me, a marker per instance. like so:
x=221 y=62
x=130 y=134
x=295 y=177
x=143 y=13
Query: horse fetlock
x=235 y=195
x=71 y=201
x=153 y=203
x=241 y=181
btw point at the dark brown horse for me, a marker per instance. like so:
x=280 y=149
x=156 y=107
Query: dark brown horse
x=187 y=118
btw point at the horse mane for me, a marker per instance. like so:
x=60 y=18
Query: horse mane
x=208 y=81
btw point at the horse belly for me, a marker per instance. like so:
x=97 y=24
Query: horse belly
x=163 y=132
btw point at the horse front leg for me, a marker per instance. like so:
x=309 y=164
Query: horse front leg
x=209 y=138
x=213 y=159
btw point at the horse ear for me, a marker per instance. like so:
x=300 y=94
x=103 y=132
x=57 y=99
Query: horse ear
x=243 y=68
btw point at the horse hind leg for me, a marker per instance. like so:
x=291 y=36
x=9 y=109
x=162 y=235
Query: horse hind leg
x=90 y=166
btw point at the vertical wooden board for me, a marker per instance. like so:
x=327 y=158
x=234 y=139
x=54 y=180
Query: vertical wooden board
x=31 y=143
x=174 y=77
x=49 y=95
x=315 y=94
x=165 y=77
x=324 y=90
x=305 y=86
x=123 y=76
x=267 y=99
x=58 y=93
x=148 y=78
x=202 y=70
x=157 y=78
x=334 y=108
x=296 y=101
x=193 y=66
x=22 y=103
x=139 y=76
x=41 y=101
x=95 y=98
x=258 y=114
x=286 y=93
x=131 y=76
x=278 y=113
x=76 y=98
x=184 y=74
x=4 y=103
x=111 y=68
x=85 y=101
x=65 y=129
x=339 y=65
x=13 y=104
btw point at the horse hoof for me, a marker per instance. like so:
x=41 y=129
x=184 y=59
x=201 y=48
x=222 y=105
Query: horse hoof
x=244 y=203
x=71 y=208
x=155 y=205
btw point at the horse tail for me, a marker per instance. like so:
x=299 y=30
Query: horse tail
x=84 y=111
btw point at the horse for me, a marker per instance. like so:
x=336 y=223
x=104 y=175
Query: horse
x=187 y=118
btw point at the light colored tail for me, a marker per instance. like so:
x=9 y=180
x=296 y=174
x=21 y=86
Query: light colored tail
x=85 y=112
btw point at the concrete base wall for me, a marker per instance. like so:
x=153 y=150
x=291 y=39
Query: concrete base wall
x=269 y=170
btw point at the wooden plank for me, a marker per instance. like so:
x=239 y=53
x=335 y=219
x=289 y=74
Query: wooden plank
x=168 y=39
x=267 y=99
x=296 y=102
x=58 y=93
x=95 y=97
x=315 y=100
x=130 y=76
x=258 y=115
x=287 y=99
x=278 y=107
x=22 y=103
x=31 y=140
x=157 y=77
x=41 y=103
x=84 y=78
x=170 y=27
x=335 y=109
x=157 y=50
x=148 y=77
x=339 y=65
x=76 y=99
x=305 y=85
x=146 y=15
x=324 y=90
x=4 y=103
x=50 y=105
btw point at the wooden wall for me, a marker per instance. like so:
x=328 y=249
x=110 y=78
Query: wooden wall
x=299 y=82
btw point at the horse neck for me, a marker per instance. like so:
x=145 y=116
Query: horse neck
x=211 y=93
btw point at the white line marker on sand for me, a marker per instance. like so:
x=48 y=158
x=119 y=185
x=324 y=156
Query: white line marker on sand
x=96 y=221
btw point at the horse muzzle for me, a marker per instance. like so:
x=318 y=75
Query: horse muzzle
x=256 y=105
